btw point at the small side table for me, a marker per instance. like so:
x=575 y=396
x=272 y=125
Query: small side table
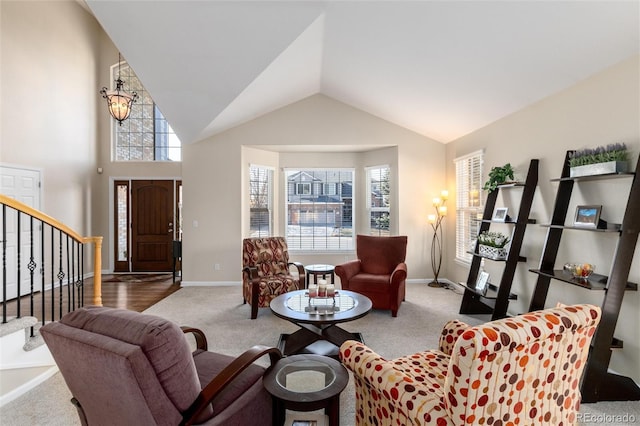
x=319 y=270
x=306 y=383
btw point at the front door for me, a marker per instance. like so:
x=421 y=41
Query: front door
x=152 y=225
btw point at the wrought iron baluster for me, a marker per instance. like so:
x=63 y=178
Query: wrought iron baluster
x=19 y=270
x=60 y=274
x=81 y=288
x=4 y=264
x=32 y=267
x=42 y=271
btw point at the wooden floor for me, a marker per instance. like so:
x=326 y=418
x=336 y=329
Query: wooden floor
x=135 y=292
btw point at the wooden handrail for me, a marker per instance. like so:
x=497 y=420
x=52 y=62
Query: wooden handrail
x=96 y=241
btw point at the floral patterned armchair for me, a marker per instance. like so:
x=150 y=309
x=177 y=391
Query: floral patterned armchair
x=265 y=271
x=521 y=370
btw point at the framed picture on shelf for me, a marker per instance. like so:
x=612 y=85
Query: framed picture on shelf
x=500 y=214
x=482 y=282
x=587 y=216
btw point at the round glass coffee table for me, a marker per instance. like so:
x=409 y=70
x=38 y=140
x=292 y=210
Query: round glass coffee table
x=318 y=318
x=306 y=383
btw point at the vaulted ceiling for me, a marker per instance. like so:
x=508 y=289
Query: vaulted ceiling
x=440 y=68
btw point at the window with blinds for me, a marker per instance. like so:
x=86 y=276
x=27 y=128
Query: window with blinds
x=319 y=209
x=260 y=201
x=378 y=199
x=469 y=206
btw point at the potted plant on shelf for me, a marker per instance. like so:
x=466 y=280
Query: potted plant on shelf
x=597 y=161
x=498 y=176
x=493 y=245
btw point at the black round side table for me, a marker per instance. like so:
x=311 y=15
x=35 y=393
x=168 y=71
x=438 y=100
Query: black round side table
x=319 y=270
x=306 y=383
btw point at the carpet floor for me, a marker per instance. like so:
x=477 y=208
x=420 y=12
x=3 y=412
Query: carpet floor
x=220 y=313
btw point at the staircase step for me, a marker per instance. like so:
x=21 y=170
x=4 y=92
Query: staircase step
x=33 y=342
x=14 y=324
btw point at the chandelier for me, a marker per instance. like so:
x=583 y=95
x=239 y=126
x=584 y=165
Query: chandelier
x=119 y=102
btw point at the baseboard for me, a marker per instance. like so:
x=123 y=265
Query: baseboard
x=210 y=283
x=239 y=283
x=26 y=387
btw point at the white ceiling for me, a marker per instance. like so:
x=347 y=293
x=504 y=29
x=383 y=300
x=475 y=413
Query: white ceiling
x=440 y=68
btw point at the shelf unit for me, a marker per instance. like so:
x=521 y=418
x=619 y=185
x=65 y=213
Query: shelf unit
x=496 y=300
x=598 y=383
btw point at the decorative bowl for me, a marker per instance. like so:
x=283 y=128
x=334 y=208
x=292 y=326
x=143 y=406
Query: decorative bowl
x=581 y=271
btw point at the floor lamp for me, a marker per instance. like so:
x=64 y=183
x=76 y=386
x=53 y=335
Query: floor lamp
x=436 y=242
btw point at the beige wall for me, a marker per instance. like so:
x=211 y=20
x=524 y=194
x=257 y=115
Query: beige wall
x=54 y=60
x=214 y=175
x=49 y=82
x=601 y=110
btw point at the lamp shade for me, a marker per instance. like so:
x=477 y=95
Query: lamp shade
x=119 y=102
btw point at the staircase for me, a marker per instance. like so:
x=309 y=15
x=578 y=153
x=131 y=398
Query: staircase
x=25 y=361
x=39 y=256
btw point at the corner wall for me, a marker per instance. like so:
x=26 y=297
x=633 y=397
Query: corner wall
x=601 y=110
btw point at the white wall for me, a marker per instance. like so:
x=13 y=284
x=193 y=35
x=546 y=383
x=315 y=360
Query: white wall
x=214 y=174
x=600 y=110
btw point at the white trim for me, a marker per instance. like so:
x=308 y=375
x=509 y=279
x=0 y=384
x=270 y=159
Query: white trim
x=26 y=387
x=210 y=283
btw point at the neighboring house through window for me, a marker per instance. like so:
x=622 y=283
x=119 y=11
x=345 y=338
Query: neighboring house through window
x=469 y=206
x=378 y=199
x=319 y=209
x=260 y=201
x=145 y=135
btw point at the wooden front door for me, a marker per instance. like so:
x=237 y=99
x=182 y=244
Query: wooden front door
x=152 y=225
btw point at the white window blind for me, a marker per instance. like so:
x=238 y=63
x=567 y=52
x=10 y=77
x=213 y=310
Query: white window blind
x=378 y=199
x=468 y=202
x=260 y=201
x=319 y=209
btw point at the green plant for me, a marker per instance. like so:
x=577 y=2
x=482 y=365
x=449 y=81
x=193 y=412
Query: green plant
x=601 y=154
x=497 y=176
x=493 y=239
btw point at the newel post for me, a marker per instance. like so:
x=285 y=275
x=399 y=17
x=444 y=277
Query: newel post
x=97 y=270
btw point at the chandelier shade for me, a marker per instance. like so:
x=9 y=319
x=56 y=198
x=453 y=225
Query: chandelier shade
x=119 y=102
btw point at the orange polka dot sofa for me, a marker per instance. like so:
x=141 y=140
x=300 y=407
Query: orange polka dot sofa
x=523 y=370
x=266 y=273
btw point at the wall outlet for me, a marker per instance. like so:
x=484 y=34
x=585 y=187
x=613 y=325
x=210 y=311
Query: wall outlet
x=216 y=267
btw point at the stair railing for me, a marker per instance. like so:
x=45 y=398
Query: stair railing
x=42 y=255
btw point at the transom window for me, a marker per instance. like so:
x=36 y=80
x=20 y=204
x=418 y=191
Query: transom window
x=469 y=206
x=319 y=209
x=145 y=135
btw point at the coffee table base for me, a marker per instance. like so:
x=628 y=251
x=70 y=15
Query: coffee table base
x=318 y=347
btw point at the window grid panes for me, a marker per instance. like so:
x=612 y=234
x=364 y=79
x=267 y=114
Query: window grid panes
x=260 y=201
x=145 y=135
x=469 y=206
x=317 y=221
x=378 y=193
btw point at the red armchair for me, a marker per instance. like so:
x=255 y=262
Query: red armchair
x=379 y=272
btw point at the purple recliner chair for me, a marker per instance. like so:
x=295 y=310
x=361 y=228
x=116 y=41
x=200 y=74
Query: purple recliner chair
x=125 y=368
